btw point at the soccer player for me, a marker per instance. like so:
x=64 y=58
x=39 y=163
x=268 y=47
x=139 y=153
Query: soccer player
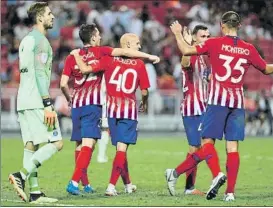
x=123 y=76
x=37 y=118
x=87 y=100
x=230 y=58
x=195 y=76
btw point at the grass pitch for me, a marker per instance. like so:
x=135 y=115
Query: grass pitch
x=147 y=163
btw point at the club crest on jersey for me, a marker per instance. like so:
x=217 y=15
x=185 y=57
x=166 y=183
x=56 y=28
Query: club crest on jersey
x=55 y=133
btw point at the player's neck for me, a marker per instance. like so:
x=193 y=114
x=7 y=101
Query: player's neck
x=87 y=45
x=40 y=28
x=231 y=33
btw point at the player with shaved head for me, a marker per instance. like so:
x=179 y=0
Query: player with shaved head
x=87 y=98
x=123 y=76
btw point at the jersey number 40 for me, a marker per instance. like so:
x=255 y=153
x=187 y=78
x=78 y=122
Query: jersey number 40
x=120 y=78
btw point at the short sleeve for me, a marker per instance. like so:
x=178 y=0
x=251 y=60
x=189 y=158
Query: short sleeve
x=106 y=51
x=256 y=60
x=205 y=47
x=144 y=82
x=68 y=65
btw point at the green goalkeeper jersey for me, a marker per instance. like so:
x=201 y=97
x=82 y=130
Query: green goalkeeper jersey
x=35 y=61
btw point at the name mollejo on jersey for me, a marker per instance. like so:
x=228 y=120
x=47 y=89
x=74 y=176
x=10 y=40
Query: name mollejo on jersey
x=125 y=61
x=237 y=50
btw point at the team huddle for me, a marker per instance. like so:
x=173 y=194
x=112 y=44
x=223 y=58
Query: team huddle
x=104 y=97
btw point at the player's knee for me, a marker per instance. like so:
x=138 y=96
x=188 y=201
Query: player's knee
x=30 y=146
x=122 y=147
x=232 y=146
x=59 y=145
x=89 y=142
x=78 y=145
x=193 y=149
x=207 y=141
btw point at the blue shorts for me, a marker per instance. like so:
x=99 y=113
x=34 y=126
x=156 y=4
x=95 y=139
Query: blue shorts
x=86 y=122
x=123 y=130
x=219 y=120
x=191 y=124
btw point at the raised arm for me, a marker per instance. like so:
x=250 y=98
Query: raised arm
x=259 y=63
x=185 y=49
x=134 y=54
x=83 y=67
x=268 y=69
x=185 y=62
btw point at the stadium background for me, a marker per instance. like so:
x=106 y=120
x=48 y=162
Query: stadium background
x=163 y=124
x=150 y=20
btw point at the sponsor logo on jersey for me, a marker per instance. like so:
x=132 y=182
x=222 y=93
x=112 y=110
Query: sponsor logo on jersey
x=24 y=70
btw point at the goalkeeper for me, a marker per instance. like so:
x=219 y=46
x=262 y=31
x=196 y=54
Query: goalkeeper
x=36 y=115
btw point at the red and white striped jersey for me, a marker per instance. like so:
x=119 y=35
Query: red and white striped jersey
x=195 y=79
x=87 y=88
x=230 y=59
x=122 y=77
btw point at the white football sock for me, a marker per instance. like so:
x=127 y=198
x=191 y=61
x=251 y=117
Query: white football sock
x=40 y=156
x=33 y=177
x=103 y=144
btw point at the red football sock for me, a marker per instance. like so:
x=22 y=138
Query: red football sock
x=212 y=159
x=82 y=163
x=125 y=176
x=77 y=152
x=118 y=167
x=208 y=152
x=232 y=166
x=84 y=177
x=188 y=164
x=190 y=176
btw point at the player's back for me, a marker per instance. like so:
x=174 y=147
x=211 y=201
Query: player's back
x=87 y=88
x=123 y=76
x=89 y=54
x=230 y=58
x=35 y=53
x=194 y=84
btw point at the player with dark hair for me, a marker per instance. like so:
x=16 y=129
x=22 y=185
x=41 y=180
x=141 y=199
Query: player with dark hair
x=123 y=76
x=37 y=118
x=87 y=100
x=195 y=79
x=230 y=58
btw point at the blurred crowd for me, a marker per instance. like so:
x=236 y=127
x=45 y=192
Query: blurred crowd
x=148 y=19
